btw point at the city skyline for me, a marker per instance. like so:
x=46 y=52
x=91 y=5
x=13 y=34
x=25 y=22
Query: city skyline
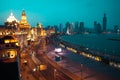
x=56 y=12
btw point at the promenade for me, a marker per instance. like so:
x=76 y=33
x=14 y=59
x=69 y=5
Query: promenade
x=86 y=69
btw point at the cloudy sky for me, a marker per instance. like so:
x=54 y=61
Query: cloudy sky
x=53 y=12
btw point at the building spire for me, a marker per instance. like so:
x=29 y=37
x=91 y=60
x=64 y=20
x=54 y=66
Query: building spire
x=23 y=13
x=24 y=23
x=104 y=14
x=11 y=14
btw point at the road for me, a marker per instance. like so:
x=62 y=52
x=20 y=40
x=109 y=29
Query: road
x=54 y=71
x=91 y=70
x=69 y=68
x=29 y=69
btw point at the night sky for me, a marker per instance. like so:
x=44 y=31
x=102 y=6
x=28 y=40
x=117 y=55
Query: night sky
x=53 y=12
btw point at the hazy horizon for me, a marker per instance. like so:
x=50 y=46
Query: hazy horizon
x=54 y=12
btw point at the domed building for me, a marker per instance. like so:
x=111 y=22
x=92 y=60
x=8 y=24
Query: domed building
x=11 y=22
x=11 y=18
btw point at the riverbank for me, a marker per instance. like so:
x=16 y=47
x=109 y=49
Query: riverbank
x=90 y=53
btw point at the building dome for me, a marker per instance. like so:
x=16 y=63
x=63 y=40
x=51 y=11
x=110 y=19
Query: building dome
x=11 y=18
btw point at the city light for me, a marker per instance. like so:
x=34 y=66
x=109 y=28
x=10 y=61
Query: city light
x=91 y=56
x=71 y=49
x=42 y=67
x=13 y=54
x=6 y=41
x=10 y=41
x=62 y=45
x=58 y=50
x=61 y=50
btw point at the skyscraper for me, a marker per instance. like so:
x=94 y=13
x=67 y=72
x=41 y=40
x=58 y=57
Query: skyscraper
x=67 y=28
x=76 y=27
x=56 y=28
x=81 y=27
x=104 y=23
x=98 y=28
x=61 y=27
x=95 y=26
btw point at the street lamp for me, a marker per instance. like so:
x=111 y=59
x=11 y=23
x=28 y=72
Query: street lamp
x=81 y=65
x=54 y=74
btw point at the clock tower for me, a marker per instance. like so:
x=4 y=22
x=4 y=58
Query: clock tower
x=24 y=23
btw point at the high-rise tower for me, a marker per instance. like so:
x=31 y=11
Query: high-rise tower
x=104 y=23
x=82 y=27
x=76 y=27
x=24 y=23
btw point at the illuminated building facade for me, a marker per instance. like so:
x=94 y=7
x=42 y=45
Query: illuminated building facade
x=41 y=32
x=39 y=28
x=9 y=48
x=51 y=31
x=23 y=24
x=32 y=34
x=11 y=22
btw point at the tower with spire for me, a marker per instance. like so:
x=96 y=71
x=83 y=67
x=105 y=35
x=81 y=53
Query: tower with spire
x=104 y=23
x=24 y=23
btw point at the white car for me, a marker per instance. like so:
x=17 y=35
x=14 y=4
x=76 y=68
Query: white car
x=58 y=50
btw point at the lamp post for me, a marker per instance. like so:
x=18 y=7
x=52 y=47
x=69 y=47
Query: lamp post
x=81 y=65
x=54 y=74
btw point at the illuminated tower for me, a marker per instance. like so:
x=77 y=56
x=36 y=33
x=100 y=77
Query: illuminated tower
x=104 y=22
x=24 y=23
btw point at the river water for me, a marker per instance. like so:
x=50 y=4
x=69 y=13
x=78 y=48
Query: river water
x=107 y=43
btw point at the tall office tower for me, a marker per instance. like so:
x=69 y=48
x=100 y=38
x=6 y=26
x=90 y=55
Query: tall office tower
x=95 y=26
x=67 y=27
x=61 y=28
x=104 y=23
x=76 y=27
x=98 y=28
x=82 y=27
x=71 y=28
x=24 y=23
x=56 y=28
